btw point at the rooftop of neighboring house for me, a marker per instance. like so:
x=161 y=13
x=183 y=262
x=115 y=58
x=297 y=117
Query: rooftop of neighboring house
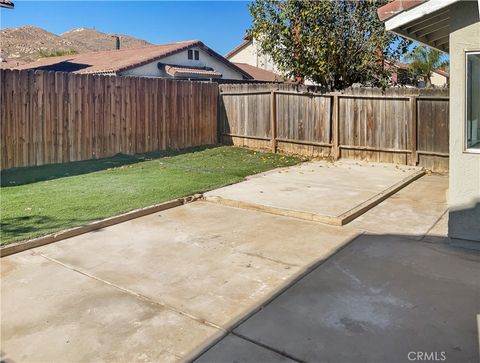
x=406 y=67
x=115 y=61
x=260 y=74
x=7 y=4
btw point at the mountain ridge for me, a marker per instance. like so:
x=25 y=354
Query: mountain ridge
x=28 y=43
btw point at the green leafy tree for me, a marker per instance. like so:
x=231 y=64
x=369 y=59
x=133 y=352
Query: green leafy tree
x=333 y=43
x=424 y=60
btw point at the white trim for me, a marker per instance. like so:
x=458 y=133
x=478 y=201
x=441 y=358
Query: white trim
x=472 y=151
x=417 y=12
x=465 y=132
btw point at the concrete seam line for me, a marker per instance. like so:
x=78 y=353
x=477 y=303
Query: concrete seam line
x=242 y=317
x=131 y=292
x=110 y=221
x=434 y=224
x=266 y=258
x=265 y=346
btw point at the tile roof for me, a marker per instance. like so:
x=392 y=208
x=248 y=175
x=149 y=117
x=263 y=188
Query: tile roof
x=182 y=71
x=260 y=74
x=396 y=7
x=114 y=61
x=110 y=61
x=7 y=4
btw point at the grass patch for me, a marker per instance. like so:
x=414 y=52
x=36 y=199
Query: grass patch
x=41 y=200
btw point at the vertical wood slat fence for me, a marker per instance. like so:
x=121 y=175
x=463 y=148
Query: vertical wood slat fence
x=49 y=117
x=403 y=126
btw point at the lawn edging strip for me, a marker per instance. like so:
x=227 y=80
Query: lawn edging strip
x=72 y=232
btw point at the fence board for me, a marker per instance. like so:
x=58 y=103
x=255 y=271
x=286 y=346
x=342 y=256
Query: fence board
x=373 y=124
x=51 y=117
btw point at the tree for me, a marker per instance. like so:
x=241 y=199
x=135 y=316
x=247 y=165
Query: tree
x=333 y=43
x=424 y=60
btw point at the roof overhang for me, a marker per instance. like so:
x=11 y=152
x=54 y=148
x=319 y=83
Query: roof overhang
x=7 y=4
x=426 y=22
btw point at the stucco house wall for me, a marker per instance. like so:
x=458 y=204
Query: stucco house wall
x=181 y=58
x=439 y=80
x=464 y=189
x=250 y=54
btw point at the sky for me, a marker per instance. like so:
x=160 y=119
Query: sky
x=221 y=25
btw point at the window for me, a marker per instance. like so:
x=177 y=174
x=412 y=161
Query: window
x=472 y=101
x=197 y=55
x=190 y=54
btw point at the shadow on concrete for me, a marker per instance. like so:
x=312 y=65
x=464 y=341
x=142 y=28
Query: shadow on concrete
x=23 y=227
x=464 y=223
x=20 y=176
x=382 y=298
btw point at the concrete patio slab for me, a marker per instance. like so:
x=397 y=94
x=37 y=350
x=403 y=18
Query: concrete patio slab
x=210 y=261
x=412 y=211
x=202 y=266
x=319 y=190
x=376 y=300
x=200 y=269
x=50 y=313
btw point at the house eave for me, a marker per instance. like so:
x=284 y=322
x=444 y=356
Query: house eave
x=427 y=23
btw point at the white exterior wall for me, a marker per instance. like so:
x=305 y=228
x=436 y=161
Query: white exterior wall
x=438 y=80
x=464 y=189
x=250 y=54
x=181 y=58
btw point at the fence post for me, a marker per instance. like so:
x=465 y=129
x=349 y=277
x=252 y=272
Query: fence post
x=413 y=135
x=335 y=128
x=273 y=121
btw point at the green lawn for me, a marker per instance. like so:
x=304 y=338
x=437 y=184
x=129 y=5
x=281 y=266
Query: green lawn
x=40 y=200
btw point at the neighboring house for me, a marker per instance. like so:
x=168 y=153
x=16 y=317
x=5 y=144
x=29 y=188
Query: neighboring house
x=260 y=74
x=7 y=4
x=452 y=26
x=403 y=75
x=248 y=52
x=182 y=60
x=440 y=78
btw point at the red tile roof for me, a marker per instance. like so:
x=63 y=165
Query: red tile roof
x=114 y=61
x=396 y=7
x=442 y=73
x=110 y=61
x=260 y=74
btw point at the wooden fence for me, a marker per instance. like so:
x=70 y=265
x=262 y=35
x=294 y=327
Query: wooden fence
x=403 y=126
x=51 y=117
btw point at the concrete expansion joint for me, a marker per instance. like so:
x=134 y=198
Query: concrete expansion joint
x=143 y=297
x=287 y=264
x=264 y=346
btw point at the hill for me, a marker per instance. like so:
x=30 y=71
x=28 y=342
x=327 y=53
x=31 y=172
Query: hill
x=28 y=43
